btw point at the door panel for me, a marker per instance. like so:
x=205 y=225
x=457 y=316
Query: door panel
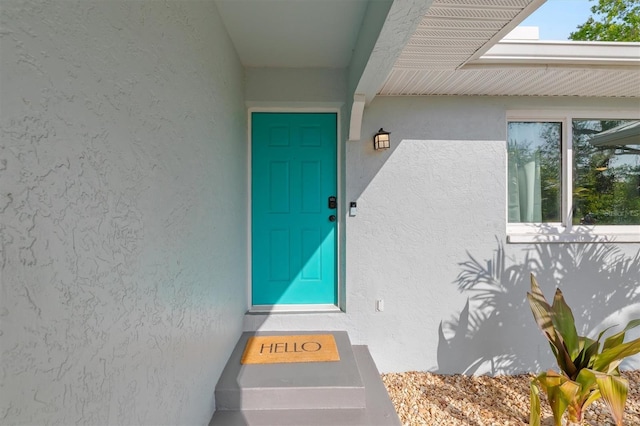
x=293 y=240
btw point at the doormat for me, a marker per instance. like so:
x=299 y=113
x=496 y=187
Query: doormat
x=286 y=349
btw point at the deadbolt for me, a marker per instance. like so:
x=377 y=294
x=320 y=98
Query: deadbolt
x=332 y=218
x=333 y=202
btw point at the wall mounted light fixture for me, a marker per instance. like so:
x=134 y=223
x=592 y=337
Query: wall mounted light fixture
x=381 y=140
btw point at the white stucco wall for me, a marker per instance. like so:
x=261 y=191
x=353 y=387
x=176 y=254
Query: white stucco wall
x=431 y=228
x=430 y=235
x=295 y=87
x=420 y=206
x=122 y=210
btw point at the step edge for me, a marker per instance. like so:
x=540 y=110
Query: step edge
x=352 y=398
x=378 y=401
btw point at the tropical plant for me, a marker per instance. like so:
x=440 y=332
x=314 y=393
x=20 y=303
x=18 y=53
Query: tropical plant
x=587 y=373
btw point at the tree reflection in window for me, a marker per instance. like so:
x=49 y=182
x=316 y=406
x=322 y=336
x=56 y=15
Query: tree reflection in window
x=606 y=169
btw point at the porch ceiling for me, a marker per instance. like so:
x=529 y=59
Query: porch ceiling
x=293 y=33
x=456 y=50
x=455 y=31
x=545 y=81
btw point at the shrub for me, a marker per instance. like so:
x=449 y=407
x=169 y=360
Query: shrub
x=587 y=372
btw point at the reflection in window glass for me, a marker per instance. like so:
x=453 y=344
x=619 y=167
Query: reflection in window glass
x=534 y=187
x=606 y=189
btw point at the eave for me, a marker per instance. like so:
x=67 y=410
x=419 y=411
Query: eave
x=550 y=53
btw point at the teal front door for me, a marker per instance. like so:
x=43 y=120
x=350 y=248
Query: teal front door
x=293 y=214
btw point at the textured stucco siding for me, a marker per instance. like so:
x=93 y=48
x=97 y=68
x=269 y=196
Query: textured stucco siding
x=295 y=86
x=430 y=236
x=122 y=210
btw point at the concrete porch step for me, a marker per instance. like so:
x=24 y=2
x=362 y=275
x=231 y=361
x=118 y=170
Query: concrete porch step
x=347 y=392
x=292 y=385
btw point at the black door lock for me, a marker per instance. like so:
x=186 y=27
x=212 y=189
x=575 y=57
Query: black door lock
x=333 y=202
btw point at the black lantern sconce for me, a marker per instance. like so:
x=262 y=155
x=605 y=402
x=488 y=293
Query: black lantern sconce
x=381 y=140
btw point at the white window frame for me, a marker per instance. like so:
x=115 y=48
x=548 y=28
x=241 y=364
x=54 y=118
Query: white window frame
x=565 y=231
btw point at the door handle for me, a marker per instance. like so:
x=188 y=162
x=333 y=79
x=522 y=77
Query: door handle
x=332 y=218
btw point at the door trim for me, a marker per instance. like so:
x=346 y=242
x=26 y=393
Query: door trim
x=261 y=309
x=333 y=108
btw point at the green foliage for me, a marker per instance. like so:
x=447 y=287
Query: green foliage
x=615 y=20
x=606 y=178
x=586 y=372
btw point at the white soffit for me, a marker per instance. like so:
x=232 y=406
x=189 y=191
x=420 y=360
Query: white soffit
x=456 y=51
x=454 y=31
x=551 y=81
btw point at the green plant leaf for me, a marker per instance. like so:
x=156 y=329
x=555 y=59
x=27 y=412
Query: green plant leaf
x=614 y=393
x=586 y=374
x=604 y=331
x=589 y=348
x=560 y=390
x=587 y=380
x=543 y=314
x=559 y=399
x=608 y=356
x=541 y=309
x=565 y=324
x=618 y=338
x=593 y=397
x=588 y=392
x=534 y=403
x=614 y=369
x=568 y=391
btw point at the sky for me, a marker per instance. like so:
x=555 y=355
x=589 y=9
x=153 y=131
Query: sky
x=556 y=19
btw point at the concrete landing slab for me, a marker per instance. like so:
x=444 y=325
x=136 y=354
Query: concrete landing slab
x=312 y=385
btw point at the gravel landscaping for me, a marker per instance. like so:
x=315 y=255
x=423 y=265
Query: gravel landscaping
x=434 y=399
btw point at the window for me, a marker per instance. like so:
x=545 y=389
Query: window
x=573 y=178
x=534 y=150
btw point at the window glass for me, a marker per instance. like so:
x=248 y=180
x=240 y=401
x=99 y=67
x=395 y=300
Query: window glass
x=606 y=169
x=534 y=171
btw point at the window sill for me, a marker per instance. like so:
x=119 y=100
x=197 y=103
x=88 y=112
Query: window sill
x=578 y=234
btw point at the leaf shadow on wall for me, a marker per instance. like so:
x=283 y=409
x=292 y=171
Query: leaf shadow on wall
x=495 y=332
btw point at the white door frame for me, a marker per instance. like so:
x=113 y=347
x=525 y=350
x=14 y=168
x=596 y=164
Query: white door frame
x=312 y=108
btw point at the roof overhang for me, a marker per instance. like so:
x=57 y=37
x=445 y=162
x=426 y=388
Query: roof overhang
x=556 y=53
x=454 y=32
x=458 y=49
x=427 y=47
